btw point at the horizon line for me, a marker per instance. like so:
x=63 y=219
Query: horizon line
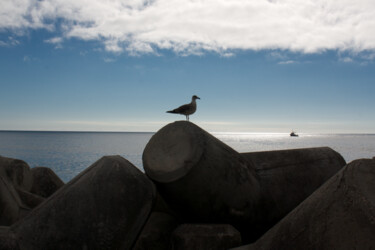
x=213 y=132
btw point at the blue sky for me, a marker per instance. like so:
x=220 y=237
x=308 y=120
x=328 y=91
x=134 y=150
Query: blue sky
x=270 y=66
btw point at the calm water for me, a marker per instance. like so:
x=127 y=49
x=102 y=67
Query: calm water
x=68 y=153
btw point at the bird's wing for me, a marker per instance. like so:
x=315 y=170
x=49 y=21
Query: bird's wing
x=182 y=109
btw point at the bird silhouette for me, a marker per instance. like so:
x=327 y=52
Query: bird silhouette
x=186 y=109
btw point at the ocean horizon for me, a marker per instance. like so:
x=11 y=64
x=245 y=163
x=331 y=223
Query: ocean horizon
x=68 y=153
x=153 y=132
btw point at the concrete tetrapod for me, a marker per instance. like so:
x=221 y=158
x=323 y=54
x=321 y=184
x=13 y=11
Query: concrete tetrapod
x=201 y=176
x=45 y=181
x=17 y=172
x=22 y=188
x=7 y=239
x=339 y=215
x=15 y=177
x=157 y=232
x=288 y=177
x=205 y=237
x=104 y=207
x=11 y=206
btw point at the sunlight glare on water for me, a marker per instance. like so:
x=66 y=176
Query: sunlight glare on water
x=350 y=146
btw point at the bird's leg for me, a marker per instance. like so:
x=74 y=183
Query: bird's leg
x=188 y=117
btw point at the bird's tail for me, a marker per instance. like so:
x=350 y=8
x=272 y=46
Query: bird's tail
x=172 y=111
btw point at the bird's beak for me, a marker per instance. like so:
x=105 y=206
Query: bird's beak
x=198 y=98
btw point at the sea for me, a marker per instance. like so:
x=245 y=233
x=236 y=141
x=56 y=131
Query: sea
x=69 y=153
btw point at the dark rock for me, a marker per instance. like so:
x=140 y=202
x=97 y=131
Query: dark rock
x=288 y=177
x=205 y=237
x=200 y=176
x=339 y=215
x=104 y=207
x=157 y=232
x=45 y=181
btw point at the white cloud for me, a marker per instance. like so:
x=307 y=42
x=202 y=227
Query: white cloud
x=109 y=60
x=287 y=62
x=346 y=60
x=57 y=41
x=369 y=56
x=10 y=42
x=54 y=40
x=277 y=55
x=83 y=53
x=28 y=58
x=113 y=45
x=194 y=26
x=227 y=54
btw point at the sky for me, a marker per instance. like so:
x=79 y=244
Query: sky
x=258 y=66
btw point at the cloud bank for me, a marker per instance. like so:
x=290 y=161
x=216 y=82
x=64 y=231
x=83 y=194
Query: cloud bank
x=196 y=26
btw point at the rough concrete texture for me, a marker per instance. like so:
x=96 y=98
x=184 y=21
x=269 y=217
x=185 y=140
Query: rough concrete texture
x=201 y=176
x=22 y=188
x=29 y=199
x=104 y=207
x=287 y=177
x=157 y=232
x=162 y=206
x=45 y=181
x=7 y=239
x=339 y=215
x=17 y=172
x=10 y=204
x=205 y=237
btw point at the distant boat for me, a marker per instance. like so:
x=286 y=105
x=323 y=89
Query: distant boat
x=293 y=134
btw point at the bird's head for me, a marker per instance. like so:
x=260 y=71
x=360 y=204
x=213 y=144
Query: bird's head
x=195 y=97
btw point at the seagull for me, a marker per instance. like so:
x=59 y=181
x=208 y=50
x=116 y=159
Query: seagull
x=187 y=109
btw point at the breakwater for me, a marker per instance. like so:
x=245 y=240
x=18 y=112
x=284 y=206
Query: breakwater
x=196 y=193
